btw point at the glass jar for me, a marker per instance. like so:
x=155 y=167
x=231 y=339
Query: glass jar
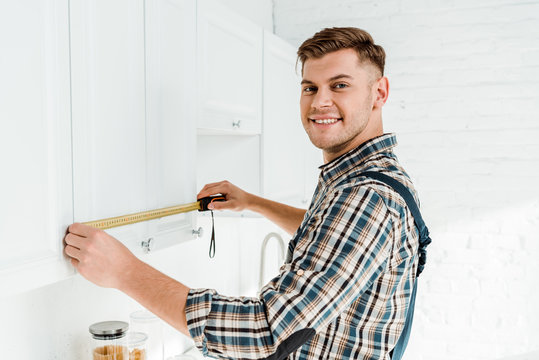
x=136 y=343
x=109 y=340
x=146 y=322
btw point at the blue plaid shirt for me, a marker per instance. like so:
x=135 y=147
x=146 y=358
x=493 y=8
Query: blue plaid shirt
x=344 y=289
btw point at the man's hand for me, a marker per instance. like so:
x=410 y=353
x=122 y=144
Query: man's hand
x=287 y=217
x=236 y=198
x=106 y=262
x=97 y=256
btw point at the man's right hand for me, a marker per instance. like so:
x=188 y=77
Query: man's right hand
x=236 y=198
x=287 y=217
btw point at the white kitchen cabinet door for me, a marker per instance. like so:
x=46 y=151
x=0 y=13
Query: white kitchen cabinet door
x=35 y=143
x=232 y=158
x=171 y=115
x=230 y=71
x=286 y=148
x=108 y=112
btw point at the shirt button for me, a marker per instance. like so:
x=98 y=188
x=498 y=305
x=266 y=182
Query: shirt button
x=300 y=272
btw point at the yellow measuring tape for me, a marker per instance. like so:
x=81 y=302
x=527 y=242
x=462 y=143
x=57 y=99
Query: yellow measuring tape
x=143 y=216
x=201 y=205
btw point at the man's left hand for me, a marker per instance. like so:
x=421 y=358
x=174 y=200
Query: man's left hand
x=97 y=256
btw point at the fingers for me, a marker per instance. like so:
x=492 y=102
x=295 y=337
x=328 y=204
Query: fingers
x=221 y=187
x=236 y=198
x=218 y=205
x=74 y=240
x=73 y=252
x=74 y=244
x=80 y=229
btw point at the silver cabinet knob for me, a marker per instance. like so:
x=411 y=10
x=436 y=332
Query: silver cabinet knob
x=236 y=124
x=148 y=245
x=198 y=233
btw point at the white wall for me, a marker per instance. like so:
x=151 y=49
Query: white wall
x=464 y=99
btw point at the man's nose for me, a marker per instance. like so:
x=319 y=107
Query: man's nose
x=322 y=99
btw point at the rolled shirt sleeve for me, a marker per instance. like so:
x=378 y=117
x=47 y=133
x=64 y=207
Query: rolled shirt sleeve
x=341 y=250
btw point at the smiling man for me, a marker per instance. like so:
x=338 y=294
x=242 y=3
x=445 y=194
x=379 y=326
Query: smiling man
x=350 y=273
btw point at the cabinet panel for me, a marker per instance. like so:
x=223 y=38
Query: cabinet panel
x=108 y=115
x=232 y=158
x=286 y=149
x=171 y=114
x=230 y=69
x=36 y=184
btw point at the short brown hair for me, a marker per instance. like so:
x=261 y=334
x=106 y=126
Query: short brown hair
x=336 y=38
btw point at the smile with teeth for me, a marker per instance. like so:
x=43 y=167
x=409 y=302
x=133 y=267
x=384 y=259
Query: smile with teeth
x=326 y=121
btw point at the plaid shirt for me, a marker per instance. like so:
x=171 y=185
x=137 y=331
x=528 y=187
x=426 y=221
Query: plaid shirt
x=344 y=289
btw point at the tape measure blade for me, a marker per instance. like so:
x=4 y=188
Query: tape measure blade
x=142 y=216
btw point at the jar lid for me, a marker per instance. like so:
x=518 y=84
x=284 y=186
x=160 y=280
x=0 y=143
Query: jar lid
x=108 y=330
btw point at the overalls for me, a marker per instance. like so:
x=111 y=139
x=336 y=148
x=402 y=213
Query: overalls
x=424 y=240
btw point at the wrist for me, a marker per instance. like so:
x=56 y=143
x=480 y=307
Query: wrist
x=254 y=203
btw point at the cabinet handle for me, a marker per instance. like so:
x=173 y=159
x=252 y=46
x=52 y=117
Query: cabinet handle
x=198 y=233
x=148 y=245
x=236 y=124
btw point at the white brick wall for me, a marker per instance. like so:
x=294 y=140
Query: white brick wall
x=464 y=101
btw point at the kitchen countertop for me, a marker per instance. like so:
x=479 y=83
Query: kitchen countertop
x=191 y=354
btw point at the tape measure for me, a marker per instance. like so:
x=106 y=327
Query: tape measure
x=200 y=205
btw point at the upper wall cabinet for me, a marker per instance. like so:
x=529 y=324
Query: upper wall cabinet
x=134 y=111
x=108 y=115
x=35 y=143
x=171 y=113
x=286 y=150
x=230 y=71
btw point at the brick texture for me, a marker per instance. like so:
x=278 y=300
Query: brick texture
x=464 y=99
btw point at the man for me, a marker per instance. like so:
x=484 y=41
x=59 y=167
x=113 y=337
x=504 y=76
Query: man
x=345 y=287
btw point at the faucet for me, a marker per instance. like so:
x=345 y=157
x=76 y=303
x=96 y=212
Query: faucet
x=263 y=255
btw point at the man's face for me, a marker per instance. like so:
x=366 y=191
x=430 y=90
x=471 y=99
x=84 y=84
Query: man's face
x=337 y=99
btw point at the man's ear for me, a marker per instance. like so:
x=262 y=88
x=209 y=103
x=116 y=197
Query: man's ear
x=381 y=92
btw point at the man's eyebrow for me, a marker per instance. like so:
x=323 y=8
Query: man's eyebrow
x=333 y=78
x=340 y=76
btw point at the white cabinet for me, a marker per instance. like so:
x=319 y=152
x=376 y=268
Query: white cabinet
x=229 y=97
x=230 y=71
x=35 y=144
x=134 y=110
x=287 y=153
x=171 y=115
x=108 y=112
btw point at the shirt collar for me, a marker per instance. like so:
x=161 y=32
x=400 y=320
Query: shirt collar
x=357 y=156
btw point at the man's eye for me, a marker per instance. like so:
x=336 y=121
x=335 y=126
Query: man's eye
x=309 y=89
x=341 y=86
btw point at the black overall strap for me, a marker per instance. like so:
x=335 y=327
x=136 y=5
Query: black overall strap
x=424 y=241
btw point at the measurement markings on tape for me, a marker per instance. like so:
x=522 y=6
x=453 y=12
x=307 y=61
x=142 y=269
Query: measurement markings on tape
x=201 y=205
x=143 y=216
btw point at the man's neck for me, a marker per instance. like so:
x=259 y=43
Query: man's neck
x=362 y=138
